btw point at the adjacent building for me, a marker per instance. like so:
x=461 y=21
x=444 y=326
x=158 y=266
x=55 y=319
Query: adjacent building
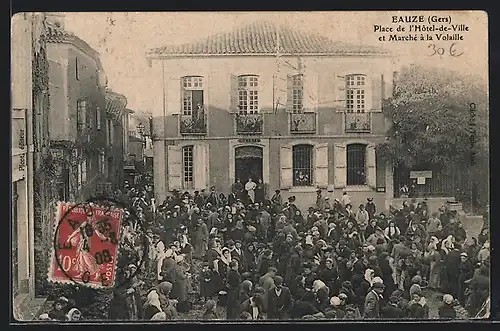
x=298 y=111
x=116 y=117
x=28 y=96
x=86 y=118
x=77 y=125
x=140 y=126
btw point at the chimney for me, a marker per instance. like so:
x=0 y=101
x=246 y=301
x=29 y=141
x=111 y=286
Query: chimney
x=55 y=18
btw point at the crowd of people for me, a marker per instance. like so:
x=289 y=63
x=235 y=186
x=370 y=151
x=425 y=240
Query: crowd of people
x=260 y=257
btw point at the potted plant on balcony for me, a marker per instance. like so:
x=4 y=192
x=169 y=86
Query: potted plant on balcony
x=191 y=124
x=249 y=123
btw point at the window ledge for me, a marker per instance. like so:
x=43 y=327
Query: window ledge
x=302 y=189
x=358 y=188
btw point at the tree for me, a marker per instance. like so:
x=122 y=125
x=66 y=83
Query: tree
x=439 y=119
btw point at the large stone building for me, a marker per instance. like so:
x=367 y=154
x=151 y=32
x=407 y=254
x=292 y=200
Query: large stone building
x=86 y=118
x=298 y=111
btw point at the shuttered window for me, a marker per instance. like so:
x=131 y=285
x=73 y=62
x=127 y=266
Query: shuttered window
x=356 y=164
x=248 y=94
x=188 y=167
x=302 y=160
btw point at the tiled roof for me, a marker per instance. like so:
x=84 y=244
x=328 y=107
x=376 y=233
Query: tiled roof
x=57 y=34
x=260 y=38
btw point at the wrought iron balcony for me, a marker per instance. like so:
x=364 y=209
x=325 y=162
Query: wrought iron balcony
x=303 y=123
x=193 y=124
x=358 y=123
x=249 y=124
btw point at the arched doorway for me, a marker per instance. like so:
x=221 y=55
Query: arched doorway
x=248 y=163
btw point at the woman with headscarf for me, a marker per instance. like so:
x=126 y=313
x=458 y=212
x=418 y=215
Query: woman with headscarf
x=364 y=287
x=446 y=247
x=152 y=305
x=321 y=292
x=446 y=309
x=74 y=315
x=417 y=307
x=221 y=268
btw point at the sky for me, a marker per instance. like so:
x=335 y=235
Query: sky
x=123 y=38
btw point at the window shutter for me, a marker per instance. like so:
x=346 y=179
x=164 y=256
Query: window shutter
x=174 y=158
x=200 y=166
x=371 y=166
x=311 y=87
x=321 y=165
x=206 y=92
x=340 y=161
x=173 y=96
x=286 y=179
x=289 y=93
x=233 y=94
x=339 y=93
x=376 y=93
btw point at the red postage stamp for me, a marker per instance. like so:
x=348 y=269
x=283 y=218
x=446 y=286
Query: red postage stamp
x=85 y=245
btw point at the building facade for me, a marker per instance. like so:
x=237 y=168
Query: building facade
x=77 y=125
x=300 y=114
x=26 y=34
x=116 y=117
x=140 y=127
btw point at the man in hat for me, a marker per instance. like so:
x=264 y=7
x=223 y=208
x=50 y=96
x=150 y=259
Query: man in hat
x=213 y=197
x=370 y=208
x=237 y=187
x=292 y=208
x=276 y=201
x=320 y=201
x=373 y=301
x=198 y=199
x=264 y=222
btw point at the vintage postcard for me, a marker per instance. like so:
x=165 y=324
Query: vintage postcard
x=250 y=166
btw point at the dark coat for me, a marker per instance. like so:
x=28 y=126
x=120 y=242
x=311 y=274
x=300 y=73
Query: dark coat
x=446 y=311
x=392 y=312
x=279 y=307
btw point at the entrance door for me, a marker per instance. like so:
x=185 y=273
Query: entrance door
x=248 y=163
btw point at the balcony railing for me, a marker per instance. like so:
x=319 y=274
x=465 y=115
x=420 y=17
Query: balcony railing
x=303 y=123
x=358 y=123
x=249 y=124
x=193 y=125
